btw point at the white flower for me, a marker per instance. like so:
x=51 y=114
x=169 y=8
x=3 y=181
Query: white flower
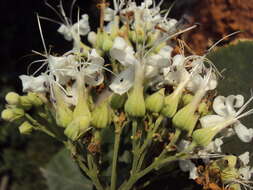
x=72 y=32
x=225 y=109
x=63 y=67
x=34 y=84
x=146 y=68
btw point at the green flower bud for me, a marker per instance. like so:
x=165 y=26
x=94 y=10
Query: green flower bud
x=155 y=102
x=101 y=116
x=11 y=114
x=25 y=128
x=118 y=101
x=12 y=98
x=135 y=104
x=186 y=99
x=35 y=99
x=203 y=109
x=25 y=103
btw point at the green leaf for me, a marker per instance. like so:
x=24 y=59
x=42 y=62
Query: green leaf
x=62 y=173
x=237 y=60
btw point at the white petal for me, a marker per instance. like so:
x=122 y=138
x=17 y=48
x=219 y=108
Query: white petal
x=245 y=173
x=215 y=146
x=244 y=134
x=211 y=120
x=34 y=84
x=239 y=101
x=65 y=31
x=178 y=60
x=96 y=58
x=195 y=83
x=151 y=71
x=219 y=106
x=244 y=158
x=123 y=82
x=122 y=52
x=183 y=144
x=92 y=38
x=230 y=101
x=109 y=14
x=82 y=27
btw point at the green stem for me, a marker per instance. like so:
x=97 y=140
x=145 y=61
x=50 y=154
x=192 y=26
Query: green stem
x=134 y=145
x=115 y=157
x=39 y=126
x=90 y=172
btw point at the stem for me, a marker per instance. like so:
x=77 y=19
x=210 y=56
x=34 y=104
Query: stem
x=90 y=172
x=115 y=157
x=134 y=146
x=38 y=126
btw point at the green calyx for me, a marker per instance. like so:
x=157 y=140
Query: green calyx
x=135 y=104
x=101 y=116
x=186 y=99
x=203 y=109
x=25 y=128
x=81 y=114
x=64 y=114
x=117 y=101
x=155 y=101
x=171 y=104
x=204 y=136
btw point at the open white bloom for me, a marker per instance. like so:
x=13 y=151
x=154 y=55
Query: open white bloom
x=72 y=32
x=189 y=166
x=225 y=109
x=34 y=84
x=136 y=67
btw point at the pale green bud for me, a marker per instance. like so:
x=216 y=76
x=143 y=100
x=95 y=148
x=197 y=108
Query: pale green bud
x=186 y=99
x=155 y=102
x=11 y=114
x=12 y=98
x=101 y=116
x=25 y=102
x=135 y=104
x=78 y=127
x=35 y=99
x=25 y=128
x=118 y=101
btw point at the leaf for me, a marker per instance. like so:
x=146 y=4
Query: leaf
x=62 y=173
x=237 y=59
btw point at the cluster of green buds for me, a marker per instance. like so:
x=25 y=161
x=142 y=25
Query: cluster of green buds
x=127 y=71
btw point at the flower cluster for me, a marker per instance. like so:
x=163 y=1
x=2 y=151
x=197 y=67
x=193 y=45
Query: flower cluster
x=130 y=72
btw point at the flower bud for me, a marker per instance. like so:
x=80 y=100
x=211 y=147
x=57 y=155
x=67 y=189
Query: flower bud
x=35 y=99
x=135 y=104
x=155 y=102
x=11 y=114
x=92 y=38
x=25 y=103
x=25 y=128
x=118 y=101
x=12 y=98
x=101 y=116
